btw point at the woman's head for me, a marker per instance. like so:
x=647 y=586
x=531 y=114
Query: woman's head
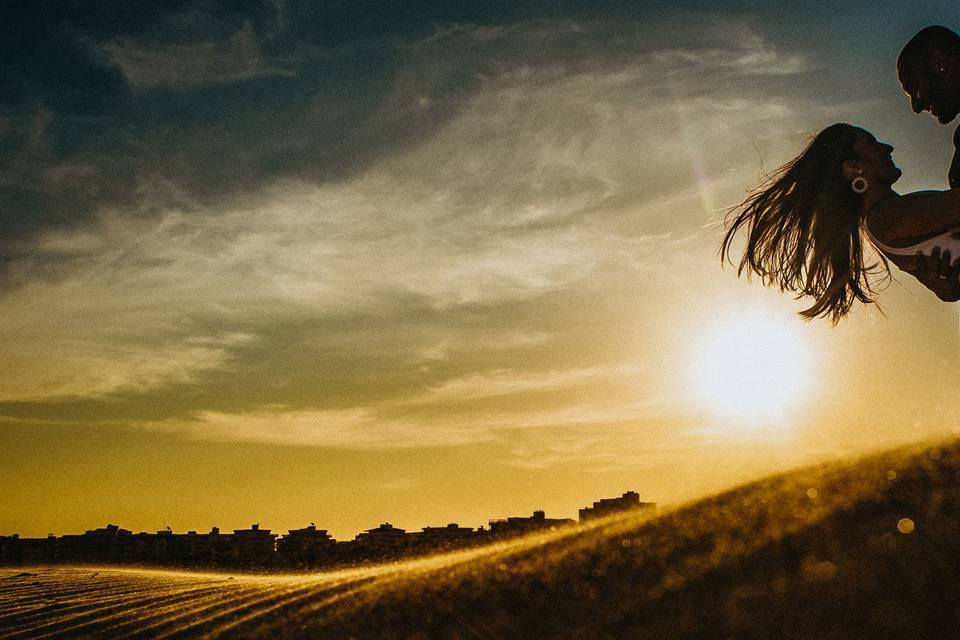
x=803 y=224
x=871 y=160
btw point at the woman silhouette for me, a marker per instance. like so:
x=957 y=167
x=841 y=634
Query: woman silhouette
x=808 y=223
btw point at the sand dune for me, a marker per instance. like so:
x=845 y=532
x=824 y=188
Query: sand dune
x=865 y=549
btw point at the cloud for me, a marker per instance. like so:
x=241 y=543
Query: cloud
x=384 y=427
x=53 y=367
x=480 y=173
x=356 y=428
x=237 y=58
x=744 y=50
x=613 y=448
x=479 y=408
x=446 y=348
x=218 y=103
x=505 y=382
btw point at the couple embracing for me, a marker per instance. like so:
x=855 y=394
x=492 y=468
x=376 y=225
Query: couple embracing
x=808 y=225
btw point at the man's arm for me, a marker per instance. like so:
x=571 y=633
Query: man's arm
x=954 y=175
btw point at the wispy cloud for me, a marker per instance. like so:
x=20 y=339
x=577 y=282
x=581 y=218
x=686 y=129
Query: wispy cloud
x=57 y=357
x=358 y=428
x=365 y=428
x=505 y=382
x=237 y=57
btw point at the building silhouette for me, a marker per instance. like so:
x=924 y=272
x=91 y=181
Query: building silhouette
x=305 y=547
x=309 y=547
x=107 y=544
x=385 y=541
x=252 y=547
x=519 y=525
x=451 y=535
x=609 y=506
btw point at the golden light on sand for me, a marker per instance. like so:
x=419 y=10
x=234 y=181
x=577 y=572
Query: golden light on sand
x=752 y=370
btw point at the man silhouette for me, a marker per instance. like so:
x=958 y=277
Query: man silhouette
x=929 y=72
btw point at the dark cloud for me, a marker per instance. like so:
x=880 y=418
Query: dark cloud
x=79 y=129
x=118 y=104
x=99 y=101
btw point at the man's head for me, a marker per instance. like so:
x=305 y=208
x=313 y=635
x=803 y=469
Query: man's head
x=929 y=72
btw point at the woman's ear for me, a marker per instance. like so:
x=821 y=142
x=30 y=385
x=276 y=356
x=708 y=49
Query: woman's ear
x=851 y=170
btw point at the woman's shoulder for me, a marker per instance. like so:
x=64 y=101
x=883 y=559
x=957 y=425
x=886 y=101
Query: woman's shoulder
x=881 y=219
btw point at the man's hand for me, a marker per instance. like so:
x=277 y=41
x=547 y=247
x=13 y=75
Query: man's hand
x=939 y=273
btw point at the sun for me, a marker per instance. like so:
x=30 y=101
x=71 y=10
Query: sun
x=753 y=370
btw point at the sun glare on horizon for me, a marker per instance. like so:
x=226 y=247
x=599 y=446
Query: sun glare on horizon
x=752 y=370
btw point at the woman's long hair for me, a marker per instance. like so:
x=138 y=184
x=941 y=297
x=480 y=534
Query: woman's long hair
x=803 y=226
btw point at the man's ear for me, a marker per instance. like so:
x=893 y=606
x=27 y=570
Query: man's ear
x=850 y=169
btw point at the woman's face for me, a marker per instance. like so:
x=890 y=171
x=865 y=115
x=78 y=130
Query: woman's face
x=873 y=160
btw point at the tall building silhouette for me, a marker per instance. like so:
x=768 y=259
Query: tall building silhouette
x=609 y=506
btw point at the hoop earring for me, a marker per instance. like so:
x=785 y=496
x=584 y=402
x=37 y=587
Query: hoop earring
x=859 y=184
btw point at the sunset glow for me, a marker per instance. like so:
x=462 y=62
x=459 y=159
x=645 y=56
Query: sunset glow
x=346 y=263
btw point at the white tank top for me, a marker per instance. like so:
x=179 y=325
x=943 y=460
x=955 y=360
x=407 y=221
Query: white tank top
x=946 y=241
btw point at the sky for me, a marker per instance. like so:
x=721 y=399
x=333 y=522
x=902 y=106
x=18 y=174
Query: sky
x=426 y=262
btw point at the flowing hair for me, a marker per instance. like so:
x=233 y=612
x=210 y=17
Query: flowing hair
x=804 y=228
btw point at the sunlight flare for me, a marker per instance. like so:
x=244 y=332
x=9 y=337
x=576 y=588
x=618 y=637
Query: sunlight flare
x=752 y=370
